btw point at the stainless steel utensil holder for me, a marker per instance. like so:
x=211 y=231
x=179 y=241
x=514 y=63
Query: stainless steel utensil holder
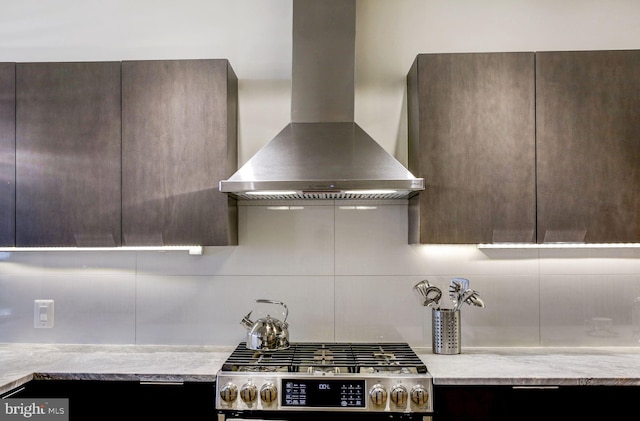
x=445 y=331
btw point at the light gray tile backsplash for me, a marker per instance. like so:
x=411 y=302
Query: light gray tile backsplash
x=88 y=307
x=344 y=270
x=208 y=309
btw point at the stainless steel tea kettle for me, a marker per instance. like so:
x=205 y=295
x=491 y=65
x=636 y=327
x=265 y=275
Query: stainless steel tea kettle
x=268 y=333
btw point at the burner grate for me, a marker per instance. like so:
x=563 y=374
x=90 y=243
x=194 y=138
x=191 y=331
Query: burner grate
x=332 y=358
x=395 y=356
x=244 y=359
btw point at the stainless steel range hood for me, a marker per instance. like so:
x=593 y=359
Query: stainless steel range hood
x=322 y=153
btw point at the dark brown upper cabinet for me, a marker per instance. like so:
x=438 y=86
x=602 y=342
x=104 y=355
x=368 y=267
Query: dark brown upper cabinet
x=7 y=154
x=472 y=137
x=179 y=122
x=68 y=154
x=588 y=141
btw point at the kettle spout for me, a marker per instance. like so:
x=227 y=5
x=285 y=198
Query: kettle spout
x=246 y=321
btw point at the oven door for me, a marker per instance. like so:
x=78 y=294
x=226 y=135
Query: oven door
x=319 y=415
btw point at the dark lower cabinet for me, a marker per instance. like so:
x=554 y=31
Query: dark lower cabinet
x=68 y=154
x=468 y=403
x=7 y=153
x=94 y=399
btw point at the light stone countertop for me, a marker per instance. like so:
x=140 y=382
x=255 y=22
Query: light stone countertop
x=20 y=363
x=543 y=366
x=615 y=366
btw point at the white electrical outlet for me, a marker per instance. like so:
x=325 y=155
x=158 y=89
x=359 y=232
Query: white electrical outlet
x=43 y=313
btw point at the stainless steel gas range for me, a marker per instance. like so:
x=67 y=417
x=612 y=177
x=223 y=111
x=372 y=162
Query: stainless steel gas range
x=342 y=380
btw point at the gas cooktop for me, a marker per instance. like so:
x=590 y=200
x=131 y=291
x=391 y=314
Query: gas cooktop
x=357 y=377
x=337 y=358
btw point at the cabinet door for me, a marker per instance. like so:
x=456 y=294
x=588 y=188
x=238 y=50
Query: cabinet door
x=588 y=146
x=492 y=403
x=116 y=398
x=471 y=136
x=179 y=140
x=68 y=137
x=7 y=154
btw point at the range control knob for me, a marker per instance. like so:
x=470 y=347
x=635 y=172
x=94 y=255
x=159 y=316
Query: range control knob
x=268 y=392
x=419 y=395
x=248 y=392
x=378 y=395
x=229 y=392
x=399 y=395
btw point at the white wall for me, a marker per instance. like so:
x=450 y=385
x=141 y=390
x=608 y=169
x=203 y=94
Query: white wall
x=345 y=274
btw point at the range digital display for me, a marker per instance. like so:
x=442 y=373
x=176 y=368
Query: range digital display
x=329 y=393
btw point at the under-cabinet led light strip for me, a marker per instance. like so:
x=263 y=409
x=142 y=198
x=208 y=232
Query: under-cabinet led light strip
x=193 y=250
x=557 y=245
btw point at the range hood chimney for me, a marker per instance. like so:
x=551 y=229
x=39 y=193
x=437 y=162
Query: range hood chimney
x=322 y=153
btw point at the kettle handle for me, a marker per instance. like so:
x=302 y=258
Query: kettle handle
x=286 y=310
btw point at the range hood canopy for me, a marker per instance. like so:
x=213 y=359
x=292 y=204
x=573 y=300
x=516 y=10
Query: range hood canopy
x=322 y=153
